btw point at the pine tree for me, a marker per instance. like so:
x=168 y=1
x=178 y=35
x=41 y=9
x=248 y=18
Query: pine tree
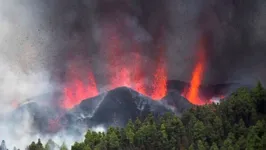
x=129 y=130
x=63 y=146
x=32 y=146
x=253 y=140
x=214 y=147
x=200 y=145
x=259 y=94
x=191 y=147
x=39 y=145
x=198 y=131
x=241 y=142
x=263 y=141
x=113 y=140
x=3 y=145
x=50 y=145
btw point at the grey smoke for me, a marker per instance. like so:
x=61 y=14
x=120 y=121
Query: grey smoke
x=40 y=39
x=237 y=35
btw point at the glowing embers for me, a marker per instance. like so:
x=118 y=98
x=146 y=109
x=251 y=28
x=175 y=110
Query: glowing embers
x=192 y=93
x=78 y=89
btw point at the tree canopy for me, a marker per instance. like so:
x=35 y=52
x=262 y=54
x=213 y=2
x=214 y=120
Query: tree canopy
x=237 y=123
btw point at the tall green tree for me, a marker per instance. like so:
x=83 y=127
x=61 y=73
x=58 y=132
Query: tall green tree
x=214 y=147
x=63 y=146
x=198 y=131
x=113 y=140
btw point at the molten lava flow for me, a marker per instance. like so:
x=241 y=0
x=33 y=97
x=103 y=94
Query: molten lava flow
x=193 y=92
x=76 y=91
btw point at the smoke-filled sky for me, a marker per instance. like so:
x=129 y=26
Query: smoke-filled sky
x=73 y=30
x=41 y=41
x=38 y=36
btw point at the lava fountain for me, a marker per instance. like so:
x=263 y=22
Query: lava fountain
x=159 y=88
x=125 y=68
x=192 y=93
x=77 y=90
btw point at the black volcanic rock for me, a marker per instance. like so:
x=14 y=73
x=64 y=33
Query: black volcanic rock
x=40 y=110
x=115 y=107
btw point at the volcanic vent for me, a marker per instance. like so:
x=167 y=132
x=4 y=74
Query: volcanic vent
x=130 y=70
x=124 y=66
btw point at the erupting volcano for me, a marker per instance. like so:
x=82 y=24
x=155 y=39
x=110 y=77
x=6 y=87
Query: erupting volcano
x=123 y=69
x=125 y=64
x=128 y=70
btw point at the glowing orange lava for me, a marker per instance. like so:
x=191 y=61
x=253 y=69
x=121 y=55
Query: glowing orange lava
x=76 y=91
x=124 y=69
x=138 y=76
x=120 y=73
x=160 y=77
x=193 y=92
x=159 y=84
x=127 y=70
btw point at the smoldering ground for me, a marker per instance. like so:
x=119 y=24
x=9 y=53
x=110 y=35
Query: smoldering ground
x=39 y=39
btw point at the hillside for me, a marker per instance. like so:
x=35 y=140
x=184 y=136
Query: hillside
x=235 y=124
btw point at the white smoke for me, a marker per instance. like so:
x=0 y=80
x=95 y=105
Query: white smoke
x=23 y=57
x=26 y=51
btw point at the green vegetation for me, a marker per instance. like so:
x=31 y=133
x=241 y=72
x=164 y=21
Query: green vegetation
x=239 y=123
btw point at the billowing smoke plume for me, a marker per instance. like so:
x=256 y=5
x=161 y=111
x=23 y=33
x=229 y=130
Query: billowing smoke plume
x=23 y=54
x=236 y=32
x=24 y=46
x=43 y=42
